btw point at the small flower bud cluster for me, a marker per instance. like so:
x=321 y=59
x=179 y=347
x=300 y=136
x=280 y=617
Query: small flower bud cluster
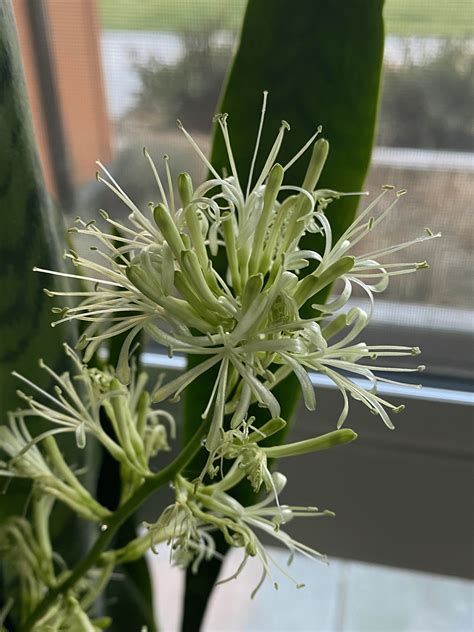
x=26 y=549
x=78 y=406
x=197 y=513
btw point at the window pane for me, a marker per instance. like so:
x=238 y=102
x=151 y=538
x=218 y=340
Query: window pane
x=425 y=143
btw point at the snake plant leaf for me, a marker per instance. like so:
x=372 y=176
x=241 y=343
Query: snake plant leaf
x=320 y=61
x=28 y=236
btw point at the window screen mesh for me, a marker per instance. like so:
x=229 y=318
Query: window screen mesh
x=160 y=60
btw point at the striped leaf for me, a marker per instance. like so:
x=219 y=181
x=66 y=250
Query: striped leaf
x=29 y=235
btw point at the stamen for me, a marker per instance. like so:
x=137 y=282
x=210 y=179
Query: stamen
x=304 y=148
x=222 y=120
x=196 y=148
x=257 y=143
x=170 y=184
x=76 y=276
x=272 y=155
x=156 y=175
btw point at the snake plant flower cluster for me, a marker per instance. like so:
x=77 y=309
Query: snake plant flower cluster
x=257 y=318
x=139 y=432
x=197 y=513
x=214 y=270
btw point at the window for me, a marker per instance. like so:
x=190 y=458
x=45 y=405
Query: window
x=120 y=72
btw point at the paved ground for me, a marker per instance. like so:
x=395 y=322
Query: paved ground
x=342 y=597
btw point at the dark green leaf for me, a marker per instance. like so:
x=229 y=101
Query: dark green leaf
x=28 y=236
x=320 y=60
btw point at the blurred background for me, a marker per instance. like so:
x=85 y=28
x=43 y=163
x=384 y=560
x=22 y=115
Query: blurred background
x=105 y=77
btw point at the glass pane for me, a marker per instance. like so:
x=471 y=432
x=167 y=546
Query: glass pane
x=425 y=143
x=163 y=61
x=126 y=70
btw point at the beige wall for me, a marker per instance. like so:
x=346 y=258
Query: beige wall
x=74 y=44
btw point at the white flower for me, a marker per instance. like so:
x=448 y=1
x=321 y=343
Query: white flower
x=197 y=514
x=159 y=275
x=341 y=362
x=76 y=407
x=46 y=468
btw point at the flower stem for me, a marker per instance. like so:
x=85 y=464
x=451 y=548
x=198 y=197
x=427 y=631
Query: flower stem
x=113 y=523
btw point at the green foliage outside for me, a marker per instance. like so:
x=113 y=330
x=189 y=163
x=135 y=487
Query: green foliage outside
x=188 y=90
x=429 y=106
x=403 y=17
x=424 y=105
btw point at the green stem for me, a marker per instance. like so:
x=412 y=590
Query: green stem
x=41 y=511
x=115 y=521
